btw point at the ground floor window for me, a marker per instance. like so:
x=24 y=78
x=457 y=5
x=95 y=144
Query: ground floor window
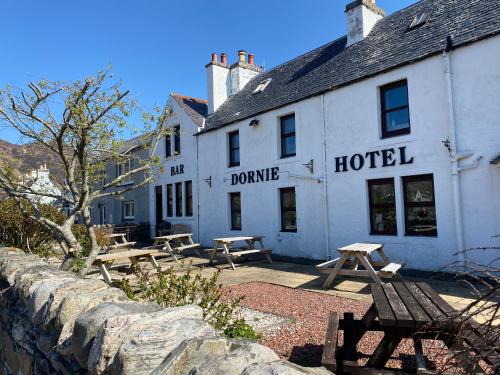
x=382 y=206
x=235 y=206
x=188 y=190
x=288 y=210
x=420 y=205
x=178 y=199
x=128 y=210
x=170 y=200
x=102 y=214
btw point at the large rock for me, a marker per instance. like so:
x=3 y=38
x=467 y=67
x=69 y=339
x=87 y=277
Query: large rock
x=137 y=343
x=283 y=368
x=12 y=261
x=88 y=324
x=214 y=355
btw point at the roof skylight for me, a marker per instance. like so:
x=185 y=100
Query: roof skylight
x=419 y=20
x=262 y=86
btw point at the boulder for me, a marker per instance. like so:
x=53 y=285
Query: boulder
x=283 y=368
x=88 y=323
x=214 y=355
x=138 y=343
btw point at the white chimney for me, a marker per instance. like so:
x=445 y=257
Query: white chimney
x=224 y=81
x=361 y=16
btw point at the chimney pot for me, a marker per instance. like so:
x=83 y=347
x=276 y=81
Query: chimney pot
x=215 y=57
x=251 y=58
x=242 y=55
x=223 y=58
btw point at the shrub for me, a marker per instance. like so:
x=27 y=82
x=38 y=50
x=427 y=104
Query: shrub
x=81 y=234
x=172 y=289
x=17 y=230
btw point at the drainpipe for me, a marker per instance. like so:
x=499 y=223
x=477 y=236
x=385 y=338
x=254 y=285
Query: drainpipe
x=325 y=185
x=197 y=191
x=454 y=158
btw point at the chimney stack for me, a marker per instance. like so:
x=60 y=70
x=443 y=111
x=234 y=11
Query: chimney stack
x=223 y=58
x=242 y=56
x=251 y=59
x=361 y=17
x=215 y=57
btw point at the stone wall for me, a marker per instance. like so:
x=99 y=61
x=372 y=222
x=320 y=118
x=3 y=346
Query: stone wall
x=53 y=322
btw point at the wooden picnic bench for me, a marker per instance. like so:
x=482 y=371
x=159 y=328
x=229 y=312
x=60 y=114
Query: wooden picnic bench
x=225 y=247
x=118 y=241
x=103 y=261
x=355 y=255
x=175 y=244
x=403 y=310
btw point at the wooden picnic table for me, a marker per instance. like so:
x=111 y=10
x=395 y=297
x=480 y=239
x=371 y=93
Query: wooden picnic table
x=355 y=255
x=175 y=244
x=225 y=247
x=403 y=310
x=103 y=261
x=118 y=242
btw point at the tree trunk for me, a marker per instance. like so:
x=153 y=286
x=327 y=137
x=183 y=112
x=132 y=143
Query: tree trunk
x=93 y=240
x=71 y=244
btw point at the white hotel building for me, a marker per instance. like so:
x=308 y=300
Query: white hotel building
x=390 y=134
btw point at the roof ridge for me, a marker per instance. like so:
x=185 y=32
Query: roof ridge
x=177 y=95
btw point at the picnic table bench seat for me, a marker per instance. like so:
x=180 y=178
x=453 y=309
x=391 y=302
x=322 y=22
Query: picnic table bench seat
x=175 y=244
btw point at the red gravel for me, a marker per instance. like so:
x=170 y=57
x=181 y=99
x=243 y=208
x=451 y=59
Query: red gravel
x=302 y=340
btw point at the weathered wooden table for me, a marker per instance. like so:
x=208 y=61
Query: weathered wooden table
x=105 y=260
x=355 y=255
x=175 y=244
x=118 y=241
x=401 y=310
x=225 y=246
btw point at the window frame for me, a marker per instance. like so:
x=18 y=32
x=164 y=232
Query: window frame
x=124 y=210
x=178 y=199
x=383 y=111
x=177 y=140
x=188 y=201
x=372 y=205
x=282 y=191
x=231 y=148
x=284 y=136
x=407 y=205
x=168 y=145
x=170 y=200
x=232 y=210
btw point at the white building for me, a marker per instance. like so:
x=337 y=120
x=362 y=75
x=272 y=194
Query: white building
x=41 y=188
x=389 y=134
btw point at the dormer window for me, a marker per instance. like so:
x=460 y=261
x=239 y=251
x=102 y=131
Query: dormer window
x=419 y=20
x=262 y=86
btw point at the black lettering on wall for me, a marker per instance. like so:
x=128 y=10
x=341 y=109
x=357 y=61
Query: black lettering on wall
x=387 y=158
x=275 y=175
x=371 y=155
x=402 y=156
x=260 y=175
x=242 y=178
x=251 y=176
x=357 y=165
x=341 y=162
x=234 y=179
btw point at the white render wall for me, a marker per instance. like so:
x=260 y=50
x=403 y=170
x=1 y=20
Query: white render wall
x=352 y=119
x=188 y=158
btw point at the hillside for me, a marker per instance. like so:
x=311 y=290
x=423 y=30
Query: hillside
x=27 y=157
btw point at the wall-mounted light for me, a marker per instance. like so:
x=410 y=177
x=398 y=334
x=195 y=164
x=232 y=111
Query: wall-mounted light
x=254 y=122
x=309 y=166
x=208 y=181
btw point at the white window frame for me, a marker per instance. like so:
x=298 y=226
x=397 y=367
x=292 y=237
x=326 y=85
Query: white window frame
x=128 y=204
x=123 y=168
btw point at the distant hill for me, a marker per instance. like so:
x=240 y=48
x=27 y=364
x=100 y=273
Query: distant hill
x=24 y=158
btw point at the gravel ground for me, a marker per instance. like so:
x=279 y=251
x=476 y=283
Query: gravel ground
x=301 y=339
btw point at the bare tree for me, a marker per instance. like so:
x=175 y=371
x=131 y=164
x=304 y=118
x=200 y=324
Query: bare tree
x=81 y=123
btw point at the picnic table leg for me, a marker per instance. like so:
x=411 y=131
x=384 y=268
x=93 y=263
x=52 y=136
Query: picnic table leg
x=170 y=251
x=196 y=251
x=213 y=254
x=268 y=257
x=228 y=254
x=384 y=257
x=369 y=268
x=153 y=261
x=419 y=354
x=383 y=352
x=105 y=273
x=335 y=270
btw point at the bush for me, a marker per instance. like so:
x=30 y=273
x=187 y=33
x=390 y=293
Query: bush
x=171 y=289
x=81 y=235
x=19 y=231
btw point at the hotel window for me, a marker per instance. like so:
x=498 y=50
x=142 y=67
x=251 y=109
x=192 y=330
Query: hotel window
x=395 y=109
x=288 y=210
x=420 y=205
x=124 y=168
x=287 y=130
x=178 y=199
x=235 y=206
x=382 y=206
x=177 y=140
x=170 y=200
x=188 y=193
x=168 y=145
x=234 y=148
x=129 y=210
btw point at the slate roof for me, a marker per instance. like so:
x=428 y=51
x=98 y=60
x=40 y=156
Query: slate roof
x=389 y=45
x=196 y=108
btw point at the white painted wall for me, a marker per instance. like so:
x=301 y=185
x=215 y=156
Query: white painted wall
x=188 y=158
x=218 y=85
x=360 y=21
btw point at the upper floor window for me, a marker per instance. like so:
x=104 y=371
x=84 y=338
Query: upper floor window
x=177 y=140
x=287 y=130
x=420 y=205
x=382 y=206
x=168 y=145
x=234 y=148
x=122 y=169
x=395 y=109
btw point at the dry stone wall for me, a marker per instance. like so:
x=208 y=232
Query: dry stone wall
x=53 y=322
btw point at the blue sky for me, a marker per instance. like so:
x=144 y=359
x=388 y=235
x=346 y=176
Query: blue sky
x=158 y=47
